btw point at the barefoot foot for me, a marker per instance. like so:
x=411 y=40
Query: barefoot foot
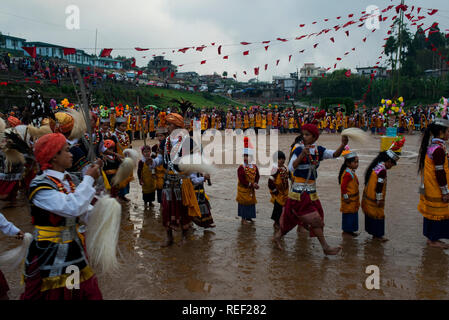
x=437 y=244
x=329 y=251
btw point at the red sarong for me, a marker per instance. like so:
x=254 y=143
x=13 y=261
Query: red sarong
x=174 y=213
x=4 y=288
x=294 y=209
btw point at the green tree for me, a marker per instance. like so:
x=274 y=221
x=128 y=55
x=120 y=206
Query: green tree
x=390 y=48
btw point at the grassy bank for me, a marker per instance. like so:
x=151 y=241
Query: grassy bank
x=14 y=94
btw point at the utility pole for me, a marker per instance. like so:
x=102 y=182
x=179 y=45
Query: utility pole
x=399 y=66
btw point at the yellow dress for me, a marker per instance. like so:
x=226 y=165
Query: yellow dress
x=369 y=203
x=352 y=192
x=247 y=196
x=430 y=204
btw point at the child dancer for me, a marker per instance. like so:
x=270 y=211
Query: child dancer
x=248 y=179
x=123 y=142
x=303 y=205
x=434 y=199
x=161 y=135
x=278 y=185
x=8 y=229
x=112 y=161
x=350 y=200
x=373 y=202
x=147 y=177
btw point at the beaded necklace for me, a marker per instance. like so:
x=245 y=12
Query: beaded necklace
x=123 y=141
x=61 y=187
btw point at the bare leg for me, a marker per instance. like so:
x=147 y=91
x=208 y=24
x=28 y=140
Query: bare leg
x=314 y=220
x=169 y=239
x=277 y=239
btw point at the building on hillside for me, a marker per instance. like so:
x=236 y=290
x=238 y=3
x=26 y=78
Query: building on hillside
x=186 y=75
x=381 y=72
x=160 y=67
x=287 y=84
x=12 y=44
x=45 y=49
x=309 y=70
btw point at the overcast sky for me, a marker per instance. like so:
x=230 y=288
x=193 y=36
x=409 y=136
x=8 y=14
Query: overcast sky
x=186 y=23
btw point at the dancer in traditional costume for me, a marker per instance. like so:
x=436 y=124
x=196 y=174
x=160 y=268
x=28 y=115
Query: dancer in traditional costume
x=205 y=220
x=278 y=185
x=16 y=162
x=248 y=183
x=123 y=142
x=111 y=163
x=71 y=124
x=373 y=201
x=161 y=135
x=434 y=170
x=175 y=212
x=147 y=177
x=58 y=201
x=350 y=199
x=303 y=206
x=8 y=229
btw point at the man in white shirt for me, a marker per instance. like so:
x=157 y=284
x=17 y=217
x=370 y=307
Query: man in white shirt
x=58 y=201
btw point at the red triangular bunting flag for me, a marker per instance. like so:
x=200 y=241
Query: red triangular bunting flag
x=256 y=71
x=283 y=40
x=266 y=48
x=332 y=39
x=244 y=72
x=302 y=51
x=213 y=43
x=172 y=75
x=315 y=45
x=140 y=49
x=183 y=50
x=69 y=51
x=200 y=49
x=234 y=75
x=105 y=53
x=266 y=67
x=302 y=25
x=245 y=43
x=226 y=57
x=266 y=42
x=338 y=59
x=277 y=62
x=364 y=39
x=289 y=58
x=347 y=33
x=245 y=53
x=203 y=62
x=31 y=51
x=432 y=12
x=219 y=50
